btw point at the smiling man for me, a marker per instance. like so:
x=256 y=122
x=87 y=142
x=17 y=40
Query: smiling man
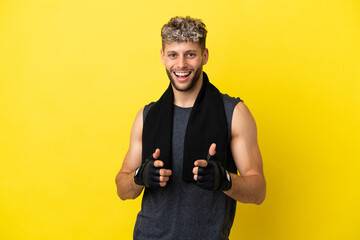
x=187 y=149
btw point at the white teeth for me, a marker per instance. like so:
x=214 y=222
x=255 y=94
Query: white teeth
x=182 y=73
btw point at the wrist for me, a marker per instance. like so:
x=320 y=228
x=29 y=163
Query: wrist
x=137 y=177
x=224 y=178
x=228 y=182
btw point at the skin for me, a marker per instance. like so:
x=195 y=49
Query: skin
x=249 y=186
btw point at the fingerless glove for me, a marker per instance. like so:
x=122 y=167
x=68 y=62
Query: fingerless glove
x=213 y=176
x=147 y=174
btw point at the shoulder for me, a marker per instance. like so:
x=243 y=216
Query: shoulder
x=136 y=132
x=137 y=125
x=241 y=111
x=243 y=121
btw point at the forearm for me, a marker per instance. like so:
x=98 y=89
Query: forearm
x=126 y=187
x=247 y=189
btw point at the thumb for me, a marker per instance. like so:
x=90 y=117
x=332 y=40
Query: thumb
x=156 y=154
x=212 y=149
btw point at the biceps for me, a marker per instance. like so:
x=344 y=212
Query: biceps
x=247 y=156
x=133 y=157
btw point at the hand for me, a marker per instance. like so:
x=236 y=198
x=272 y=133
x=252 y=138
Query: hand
x=151 y=173
x=209 y=174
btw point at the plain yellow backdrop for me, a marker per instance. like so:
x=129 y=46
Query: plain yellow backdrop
x=73 y=75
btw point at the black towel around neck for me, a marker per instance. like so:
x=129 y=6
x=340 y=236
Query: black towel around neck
x=207 y=124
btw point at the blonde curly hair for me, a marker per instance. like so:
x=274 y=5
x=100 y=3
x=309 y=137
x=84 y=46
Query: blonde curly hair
x=184 y=29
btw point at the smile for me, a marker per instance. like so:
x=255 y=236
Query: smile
x=182 y=74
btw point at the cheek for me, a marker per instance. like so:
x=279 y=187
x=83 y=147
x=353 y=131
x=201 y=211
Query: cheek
x=169 y=68
x=170 y=65
x=197 y=63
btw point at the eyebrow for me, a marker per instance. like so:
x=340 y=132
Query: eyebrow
x=188 y=51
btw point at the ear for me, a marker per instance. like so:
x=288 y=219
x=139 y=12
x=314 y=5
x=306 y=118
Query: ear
x=162 y=55
x=205 y=56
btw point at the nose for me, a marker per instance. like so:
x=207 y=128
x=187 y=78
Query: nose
x=181 y=62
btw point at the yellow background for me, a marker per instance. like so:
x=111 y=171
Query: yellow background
x=73 y=74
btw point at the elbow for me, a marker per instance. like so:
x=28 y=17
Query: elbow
x=256 y=197
x=122 y=197
x=126 y=197
x=124 y=190
x=261 y=197
x=122 y=193
x=119 y=193
x=259 y=201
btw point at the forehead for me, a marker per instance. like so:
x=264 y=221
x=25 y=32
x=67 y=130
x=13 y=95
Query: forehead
x=182 y=47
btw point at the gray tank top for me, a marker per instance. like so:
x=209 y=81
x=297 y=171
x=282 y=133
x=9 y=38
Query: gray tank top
x=182 y=210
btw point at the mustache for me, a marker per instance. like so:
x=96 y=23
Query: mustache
x=185 y=69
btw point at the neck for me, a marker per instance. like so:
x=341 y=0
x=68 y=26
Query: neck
x=187 y=98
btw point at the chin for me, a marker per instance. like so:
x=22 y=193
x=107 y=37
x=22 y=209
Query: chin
x=182 y=88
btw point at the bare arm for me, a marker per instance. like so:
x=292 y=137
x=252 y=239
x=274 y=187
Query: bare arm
x=250 y=186
x=126 y=187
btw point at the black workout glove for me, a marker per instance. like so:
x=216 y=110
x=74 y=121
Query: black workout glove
x=213 y=176
x=147 y=174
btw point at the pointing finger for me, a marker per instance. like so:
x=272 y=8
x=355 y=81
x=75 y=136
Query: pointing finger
x=158 y=163
x=200 y=163
x=165 y=172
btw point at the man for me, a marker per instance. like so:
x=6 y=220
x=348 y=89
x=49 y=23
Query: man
x=186 y=148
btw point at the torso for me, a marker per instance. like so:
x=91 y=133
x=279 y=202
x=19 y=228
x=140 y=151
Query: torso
x=182 y=210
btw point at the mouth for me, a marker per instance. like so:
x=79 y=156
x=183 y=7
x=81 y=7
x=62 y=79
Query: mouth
x=182 y=76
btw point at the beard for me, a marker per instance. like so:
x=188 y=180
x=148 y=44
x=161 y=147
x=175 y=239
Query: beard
x=192 y=83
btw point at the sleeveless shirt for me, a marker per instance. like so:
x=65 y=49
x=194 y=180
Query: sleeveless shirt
x=182 y=210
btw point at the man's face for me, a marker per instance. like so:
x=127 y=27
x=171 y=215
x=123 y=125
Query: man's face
x=183 y=62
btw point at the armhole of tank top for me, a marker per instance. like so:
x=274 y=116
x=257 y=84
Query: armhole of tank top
x=229 y=105
x=146 y=110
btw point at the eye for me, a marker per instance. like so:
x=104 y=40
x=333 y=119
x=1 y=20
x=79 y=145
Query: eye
x=172 y=55
x=191 y=54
